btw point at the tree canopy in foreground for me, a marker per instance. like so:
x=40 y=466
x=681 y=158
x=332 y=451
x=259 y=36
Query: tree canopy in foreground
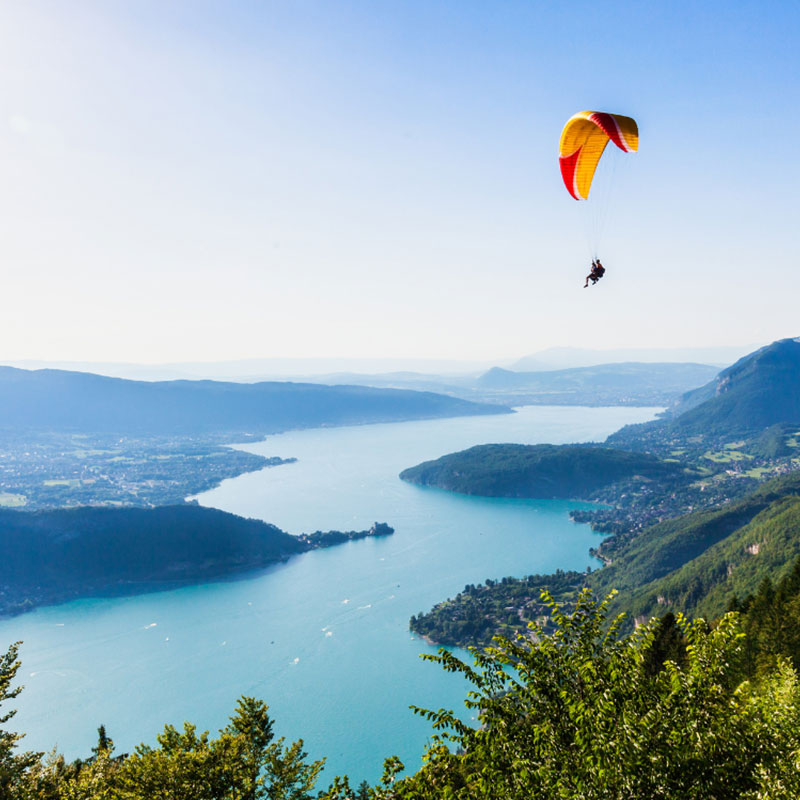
x=579 y=713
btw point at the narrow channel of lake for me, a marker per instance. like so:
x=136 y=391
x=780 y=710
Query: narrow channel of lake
x=323 y=638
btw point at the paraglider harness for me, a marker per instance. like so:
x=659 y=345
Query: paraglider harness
x=598 y=270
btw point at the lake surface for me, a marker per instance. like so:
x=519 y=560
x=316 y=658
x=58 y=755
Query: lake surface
x=323 y=638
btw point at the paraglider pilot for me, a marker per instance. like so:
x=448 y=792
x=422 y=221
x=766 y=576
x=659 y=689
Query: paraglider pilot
x=598 y=270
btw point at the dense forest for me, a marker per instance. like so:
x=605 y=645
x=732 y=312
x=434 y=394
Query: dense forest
x=540 y=470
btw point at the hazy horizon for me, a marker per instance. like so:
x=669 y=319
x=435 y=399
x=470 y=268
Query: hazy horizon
x=314 y=368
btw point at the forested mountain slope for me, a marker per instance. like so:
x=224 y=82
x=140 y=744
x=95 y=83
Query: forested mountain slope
x=759 y=391
x=541 y=470
x=695 y=564
x=51 y=556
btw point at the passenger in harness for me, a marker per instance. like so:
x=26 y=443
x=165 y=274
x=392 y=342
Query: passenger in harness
x=598 y=270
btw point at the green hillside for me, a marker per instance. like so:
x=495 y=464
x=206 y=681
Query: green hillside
x=696 y=564
x=668 y=545
x=756 y=399
x=541 y=470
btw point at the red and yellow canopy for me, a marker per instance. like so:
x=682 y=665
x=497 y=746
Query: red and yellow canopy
x=583 y=141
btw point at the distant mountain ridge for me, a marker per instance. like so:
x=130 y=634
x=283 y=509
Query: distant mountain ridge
x=254 y=370
x=57 y=400
x=625 y=383
x=570 y=357
x=646 y=382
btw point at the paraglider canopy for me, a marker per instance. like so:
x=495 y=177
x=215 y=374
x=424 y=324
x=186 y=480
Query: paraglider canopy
x=583 y=141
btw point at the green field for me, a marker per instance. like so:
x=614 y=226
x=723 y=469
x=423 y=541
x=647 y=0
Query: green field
x=9 y=500
x=757 y=472
x=78 y=453
x=726 y=456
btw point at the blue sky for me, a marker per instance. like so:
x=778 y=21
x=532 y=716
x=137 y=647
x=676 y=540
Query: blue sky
x=208 y=181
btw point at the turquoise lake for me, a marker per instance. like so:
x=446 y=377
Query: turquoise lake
x=322 y=638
